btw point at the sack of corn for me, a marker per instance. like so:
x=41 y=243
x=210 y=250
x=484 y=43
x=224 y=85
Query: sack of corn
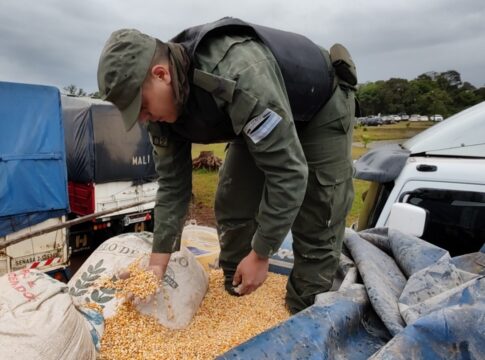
x=39 y=320
x=181 y=292
x=203 y=242
x=281 y=262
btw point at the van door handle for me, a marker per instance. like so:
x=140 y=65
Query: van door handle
x=426 y=168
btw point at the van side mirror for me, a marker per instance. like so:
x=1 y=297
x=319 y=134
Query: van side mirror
x=407 y=218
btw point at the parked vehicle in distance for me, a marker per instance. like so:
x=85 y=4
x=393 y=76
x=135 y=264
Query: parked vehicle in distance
x=372 y=121
x=415 y=117
x=440 y=170
x=404 y=116
x=388 y=119
x=436 y=118
x=423 y=118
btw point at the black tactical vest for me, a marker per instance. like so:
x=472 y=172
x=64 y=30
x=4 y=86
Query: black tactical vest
x=307 y=75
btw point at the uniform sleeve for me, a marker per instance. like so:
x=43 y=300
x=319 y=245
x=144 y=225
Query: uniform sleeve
x=174 y=168
x=260 y=111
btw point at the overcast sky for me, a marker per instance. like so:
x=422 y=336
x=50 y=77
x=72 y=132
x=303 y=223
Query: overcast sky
x=58 y=42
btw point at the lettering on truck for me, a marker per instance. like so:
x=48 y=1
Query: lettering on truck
x=141 y=160
x=26 y=260
x=81 y=241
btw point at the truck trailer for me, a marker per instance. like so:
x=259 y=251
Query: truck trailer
x=107 y=168
x=33 y=178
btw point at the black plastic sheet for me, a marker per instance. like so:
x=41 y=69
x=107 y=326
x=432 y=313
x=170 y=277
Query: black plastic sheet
x=98 y=147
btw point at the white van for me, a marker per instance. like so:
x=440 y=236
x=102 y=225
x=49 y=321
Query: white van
x=440 y=171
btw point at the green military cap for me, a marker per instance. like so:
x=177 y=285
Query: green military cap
x=122 y=68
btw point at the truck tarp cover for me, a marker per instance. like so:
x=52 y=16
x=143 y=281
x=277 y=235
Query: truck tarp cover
x=414 y=302
x=98 y=147
x=33 y=176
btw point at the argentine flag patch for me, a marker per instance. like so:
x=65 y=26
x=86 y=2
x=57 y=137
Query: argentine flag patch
x=260 y=126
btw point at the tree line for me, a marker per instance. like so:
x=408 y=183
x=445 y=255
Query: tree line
x=73 y=90
x=430 y=93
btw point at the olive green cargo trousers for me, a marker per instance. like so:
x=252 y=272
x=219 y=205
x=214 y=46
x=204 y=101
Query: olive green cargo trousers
x=318 y=229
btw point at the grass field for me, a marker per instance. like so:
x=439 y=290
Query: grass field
x=205 y=182
x=402 y=130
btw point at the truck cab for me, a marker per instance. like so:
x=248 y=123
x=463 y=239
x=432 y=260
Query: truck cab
x=440 y=171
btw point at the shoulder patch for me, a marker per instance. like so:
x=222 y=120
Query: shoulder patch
x=262 y=125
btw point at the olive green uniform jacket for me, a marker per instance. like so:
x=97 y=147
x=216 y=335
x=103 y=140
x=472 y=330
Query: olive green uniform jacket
x=259 y=85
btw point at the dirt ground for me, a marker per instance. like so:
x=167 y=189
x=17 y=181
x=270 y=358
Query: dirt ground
x=203 y=215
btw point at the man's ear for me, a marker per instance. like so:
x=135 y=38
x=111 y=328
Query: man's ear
x=161 y=71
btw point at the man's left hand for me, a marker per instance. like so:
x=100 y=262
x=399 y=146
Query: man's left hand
x=250 y=273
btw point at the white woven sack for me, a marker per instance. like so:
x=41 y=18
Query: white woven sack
x=185 y=282
x=38 y=319
x=184 y=286
x=203 y=242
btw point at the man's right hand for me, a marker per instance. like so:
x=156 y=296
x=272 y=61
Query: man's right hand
x=158 y=264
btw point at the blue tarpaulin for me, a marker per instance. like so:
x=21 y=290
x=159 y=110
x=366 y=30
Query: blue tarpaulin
x=411 y=300
x=33 y=175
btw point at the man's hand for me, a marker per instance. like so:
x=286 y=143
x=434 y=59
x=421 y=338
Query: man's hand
x=250 y=273
x=157 y=265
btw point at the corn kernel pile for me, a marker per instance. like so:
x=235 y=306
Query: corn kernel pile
x=222 y=322
x=94 y=306
x=140 y=284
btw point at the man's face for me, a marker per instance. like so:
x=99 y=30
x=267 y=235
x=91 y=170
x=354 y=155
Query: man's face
x=158 y=102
